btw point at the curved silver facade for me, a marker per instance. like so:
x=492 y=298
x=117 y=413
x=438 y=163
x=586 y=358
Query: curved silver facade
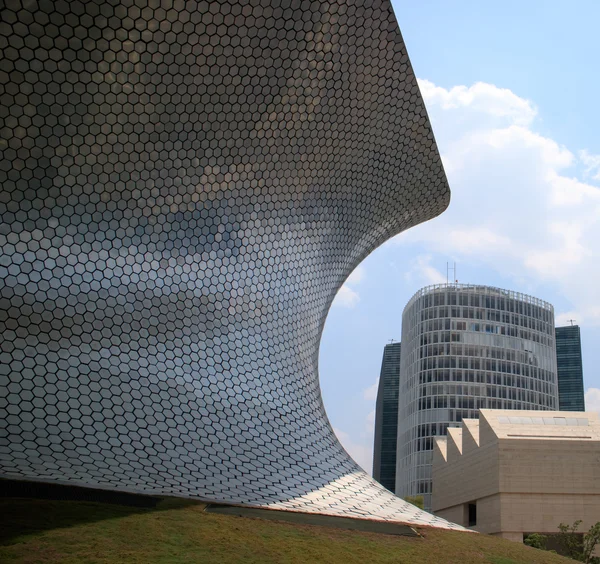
x=466 y=347
x=185 y=187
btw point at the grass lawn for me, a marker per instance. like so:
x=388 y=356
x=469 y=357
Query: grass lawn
x=177 y=531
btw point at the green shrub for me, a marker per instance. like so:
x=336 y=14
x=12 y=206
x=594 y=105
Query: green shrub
x=415 y=500
x=535 y=540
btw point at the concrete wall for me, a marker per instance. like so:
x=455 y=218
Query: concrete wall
x=553 y=467
x=542 y=513
x=488 y=514
x=473 y=475
x=523 y=478
x=454 y=514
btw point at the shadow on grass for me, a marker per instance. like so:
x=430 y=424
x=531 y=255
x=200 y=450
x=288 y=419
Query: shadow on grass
x=28 y=508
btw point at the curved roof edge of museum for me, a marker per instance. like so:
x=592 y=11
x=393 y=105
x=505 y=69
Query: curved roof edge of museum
x=480 y=289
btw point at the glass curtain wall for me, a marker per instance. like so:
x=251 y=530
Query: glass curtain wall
x=467 y=347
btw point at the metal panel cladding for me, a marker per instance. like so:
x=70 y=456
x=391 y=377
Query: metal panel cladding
x=185 y=187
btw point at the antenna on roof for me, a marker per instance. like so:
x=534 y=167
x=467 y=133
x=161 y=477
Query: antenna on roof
x=453 y=269
x=572 y=321
x=391 y=341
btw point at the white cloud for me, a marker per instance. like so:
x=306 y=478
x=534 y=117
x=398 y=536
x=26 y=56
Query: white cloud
x=476 y=240
x=482 y=98
x=571 y=192
x=362 y=454
x=346 y=297
x=360 y=446
x=423 y=273
x=370 y=393
x=592 y=164
x=371 y=422
x=592 y=399
x=514 y=137
x=517 y=204
x=357 y=275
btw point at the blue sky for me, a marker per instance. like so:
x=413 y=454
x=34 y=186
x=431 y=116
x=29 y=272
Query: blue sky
x=512 y=92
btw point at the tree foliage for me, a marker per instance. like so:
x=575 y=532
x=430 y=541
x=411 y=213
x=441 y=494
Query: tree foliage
x=590 y=540
x=415 y=500
x=570 y=539
x=580 y=547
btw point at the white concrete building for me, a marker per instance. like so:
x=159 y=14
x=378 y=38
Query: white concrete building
x=512 y=473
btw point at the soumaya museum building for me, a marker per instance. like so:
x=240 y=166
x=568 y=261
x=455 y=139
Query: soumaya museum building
x=184 y=189
x=465 y=348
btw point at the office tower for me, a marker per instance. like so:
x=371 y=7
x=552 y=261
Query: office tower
x=184 y=190
x=570 y=369
x=467 y=347
x=386 y=418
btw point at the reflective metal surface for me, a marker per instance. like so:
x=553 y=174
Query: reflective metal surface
x=185 y=187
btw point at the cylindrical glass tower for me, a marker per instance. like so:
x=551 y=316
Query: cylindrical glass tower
x=466 y=347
